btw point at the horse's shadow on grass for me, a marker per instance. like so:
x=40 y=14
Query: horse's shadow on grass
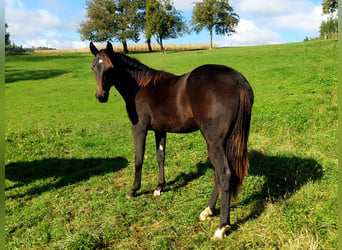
x=15 y=75
x=60 y=172
x=270 y=178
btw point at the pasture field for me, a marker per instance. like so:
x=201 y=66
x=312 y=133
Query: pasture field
x=70 y=159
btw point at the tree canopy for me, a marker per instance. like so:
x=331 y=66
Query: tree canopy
x=121 y=20
x=329 y=6
x=215 y=15
x=163 y=21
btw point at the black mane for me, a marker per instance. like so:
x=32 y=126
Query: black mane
x=143 y=74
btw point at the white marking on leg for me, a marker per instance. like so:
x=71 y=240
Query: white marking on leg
x=161 y=148
x=219 y=234
x=206 y=214
x=100 y=61
x=156 y=193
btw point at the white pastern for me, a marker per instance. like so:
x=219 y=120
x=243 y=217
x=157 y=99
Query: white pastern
x=219 y=234
x=156 y=193
x=206 y=214
x=161 y=148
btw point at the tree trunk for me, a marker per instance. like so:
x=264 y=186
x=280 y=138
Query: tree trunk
x=161 y=46
x=149 y=44
x=211 y=38
x=124 y=45
x=160 y=41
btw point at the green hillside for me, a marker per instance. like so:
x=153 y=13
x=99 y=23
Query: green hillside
x=70 y=159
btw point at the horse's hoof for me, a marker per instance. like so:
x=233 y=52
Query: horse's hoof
x=130 y=195
x=156 y=193
x=219 y=234
x=206 y=214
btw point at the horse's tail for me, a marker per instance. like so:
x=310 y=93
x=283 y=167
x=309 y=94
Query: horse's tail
x=237 y=152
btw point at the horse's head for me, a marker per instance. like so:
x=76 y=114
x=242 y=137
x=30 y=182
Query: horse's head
x=102 y=67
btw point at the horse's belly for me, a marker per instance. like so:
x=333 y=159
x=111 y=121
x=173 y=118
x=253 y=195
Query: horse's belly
x=173 y=124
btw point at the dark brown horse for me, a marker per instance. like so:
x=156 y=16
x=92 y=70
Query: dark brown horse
x=215 y=99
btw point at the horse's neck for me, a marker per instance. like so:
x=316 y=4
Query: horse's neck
x=142 y=74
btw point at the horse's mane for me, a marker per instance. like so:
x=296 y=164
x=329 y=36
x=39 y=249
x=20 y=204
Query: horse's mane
x=143 y=74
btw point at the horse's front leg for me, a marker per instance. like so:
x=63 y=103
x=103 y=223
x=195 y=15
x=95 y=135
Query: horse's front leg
x=139 y=136
x=160 y=147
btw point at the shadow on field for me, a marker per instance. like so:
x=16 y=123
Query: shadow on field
x=15 y=75
x=270 y=178
x=56 y=173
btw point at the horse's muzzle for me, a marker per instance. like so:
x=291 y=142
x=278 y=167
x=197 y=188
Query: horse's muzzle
x=102 y=98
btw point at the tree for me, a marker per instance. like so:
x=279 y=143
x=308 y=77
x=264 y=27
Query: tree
x=329 y=6
x=329 y=28
x=112 y=19
x=7 y=36
x=163 y=21
x=214 y=14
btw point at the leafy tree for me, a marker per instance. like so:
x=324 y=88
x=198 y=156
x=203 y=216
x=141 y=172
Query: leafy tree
x=329 y=28
x=214 y=14
x=7 y=36
x=113 y=19
x=329 y=6
x=163 y=21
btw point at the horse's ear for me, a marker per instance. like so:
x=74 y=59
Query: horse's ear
x=110 y=47
x=93 y=49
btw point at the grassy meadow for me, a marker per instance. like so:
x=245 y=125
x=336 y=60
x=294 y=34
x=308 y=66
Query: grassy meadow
x=70 y=159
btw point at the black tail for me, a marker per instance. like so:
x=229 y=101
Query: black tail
x=237 y=152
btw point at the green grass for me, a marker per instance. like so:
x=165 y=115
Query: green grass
x=70 y=159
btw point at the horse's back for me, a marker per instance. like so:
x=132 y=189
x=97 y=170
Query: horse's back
x=212 y=74
x=212 y=84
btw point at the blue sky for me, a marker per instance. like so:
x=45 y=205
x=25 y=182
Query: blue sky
x=54 y=23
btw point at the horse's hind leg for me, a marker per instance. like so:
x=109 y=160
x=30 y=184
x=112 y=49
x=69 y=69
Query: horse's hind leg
x=219 y=160
x=209 y=210
x=160 y=147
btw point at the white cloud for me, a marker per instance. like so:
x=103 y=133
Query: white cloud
x=55 y=43
x=184 y=5
x=40 y=27
x=282 y=20
x=248 y=33
x=296 y=15
x=307 y=20
x=14 y=3
x=264 y=8
x=30 y=24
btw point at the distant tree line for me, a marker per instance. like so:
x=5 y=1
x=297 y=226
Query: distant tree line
x=12 y=48
x=123 y=20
